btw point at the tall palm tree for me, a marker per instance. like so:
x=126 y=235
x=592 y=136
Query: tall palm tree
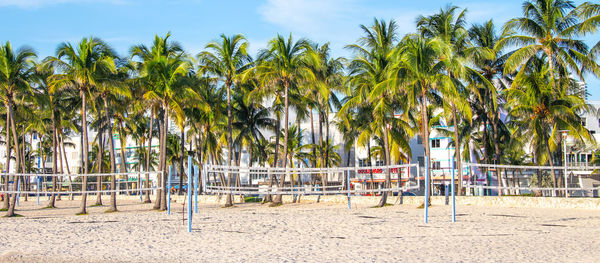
x=227 y=60
x=251 y=119
x=538 y=112
x=420 y=74
x=371 y=72
x=329 y=78
x=448 y=25
x=548 y=27
x=83 y=68
x=163 y=69
x=109 y=91
x=15 y=71
x=283 y=64
x=47 y=109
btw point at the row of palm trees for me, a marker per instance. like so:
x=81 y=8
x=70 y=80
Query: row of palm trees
x=491 y=89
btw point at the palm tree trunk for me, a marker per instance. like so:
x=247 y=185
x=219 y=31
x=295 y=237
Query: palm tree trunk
x=498 y=153
x=320 y=138
x=370 y=163
x=327 y=137
x=269 y=198
x=123 y=142
x=457 y=145
x=425 y=130
x=148 y=156
x=64 y=154
x=555 y=192
x=99 y=170
x=200 y=157
x=6 y=198
x=312 y=135
x=161 y=168
x=51 y=204
x=229 y=199
x=82 y=206
x=250 y=165
x=60 y=158
x=181 y=160
x=13 y=201
x=388 y=176
x=111 y=151
x=163 y=202
x=277 y=200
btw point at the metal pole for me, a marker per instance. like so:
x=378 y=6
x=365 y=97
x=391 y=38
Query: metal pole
x=189 y=193
x=196 y=172
x=426 y=203
x=348 y=179
x=453 y=194
x=169 y=191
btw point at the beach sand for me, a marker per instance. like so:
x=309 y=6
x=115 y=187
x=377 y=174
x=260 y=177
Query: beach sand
x=253 y=232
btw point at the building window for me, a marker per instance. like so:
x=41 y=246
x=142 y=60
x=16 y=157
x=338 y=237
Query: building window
x=420 y=140
x=363 y=162
x=421 y=161
x=437 y=165
x=379 y=163
x=592 y=132
x=435 y=143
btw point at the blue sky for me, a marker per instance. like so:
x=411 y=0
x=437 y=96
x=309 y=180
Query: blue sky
x=43 y=24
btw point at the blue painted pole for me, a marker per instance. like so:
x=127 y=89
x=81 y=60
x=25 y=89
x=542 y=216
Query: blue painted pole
x=349 y=195
x=426 y=203
x=189 y=192
x=453 y=193
x=196 y=186
x=169 y=191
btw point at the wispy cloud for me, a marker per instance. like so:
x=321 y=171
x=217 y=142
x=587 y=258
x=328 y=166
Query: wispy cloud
x=332 y=20
x=41 y=3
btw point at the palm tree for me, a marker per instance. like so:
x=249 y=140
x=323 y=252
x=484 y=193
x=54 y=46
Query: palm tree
x=251 y=119
x=371 y=70
x=420 y=74
x=548 y=27
x=449 y=26
x=109 y=91
x=283 y=65
x=47 y=109
x=538 y=112
x=329 y=78
x=82 y=68
x=162 y=71
x=15 y=71
x=226 y=60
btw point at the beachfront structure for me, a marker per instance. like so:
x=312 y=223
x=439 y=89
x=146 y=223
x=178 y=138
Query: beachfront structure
x=442 y=152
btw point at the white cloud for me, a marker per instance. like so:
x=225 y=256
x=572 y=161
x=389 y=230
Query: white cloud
x=336 y=21
x=40 y=3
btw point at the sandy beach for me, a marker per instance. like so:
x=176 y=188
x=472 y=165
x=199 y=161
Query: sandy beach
x=253 y=232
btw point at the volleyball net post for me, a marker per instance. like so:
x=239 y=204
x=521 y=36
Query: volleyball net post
x=189 y=193
x=349 y=193
x=453 y=192
x=426 y=202
x=169 y=191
